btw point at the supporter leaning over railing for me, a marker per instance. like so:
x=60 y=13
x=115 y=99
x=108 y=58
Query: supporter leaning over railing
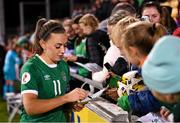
x=161 y=72
x=120 y=11
x=137 y=41
x=83 y=51
x=121 y=66
x=114 y=56
x=113 y=53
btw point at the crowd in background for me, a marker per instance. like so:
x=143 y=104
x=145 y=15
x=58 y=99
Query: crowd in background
x=120 y=34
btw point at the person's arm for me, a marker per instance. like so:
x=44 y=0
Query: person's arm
x=74 y=58
x=34 y=106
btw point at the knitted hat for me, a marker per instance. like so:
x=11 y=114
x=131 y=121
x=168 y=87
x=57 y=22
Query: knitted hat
x=161 y=70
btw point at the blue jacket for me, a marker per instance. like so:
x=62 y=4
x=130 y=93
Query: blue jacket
x=143 y=102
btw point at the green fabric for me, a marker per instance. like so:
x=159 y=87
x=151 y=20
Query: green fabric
x=47 y=82
x=140 y=2
x=124 y=103
x=176 y=112
x=113 y=81
x=168 y=106
x=80 y=50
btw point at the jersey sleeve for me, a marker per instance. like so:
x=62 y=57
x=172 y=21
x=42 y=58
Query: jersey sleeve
x=29 y=79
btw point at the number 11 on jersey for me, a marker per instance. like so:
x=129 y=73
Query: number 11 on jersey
x=57 y=87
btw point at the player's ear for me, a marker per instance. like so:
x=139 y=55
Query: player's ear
x=42 y=43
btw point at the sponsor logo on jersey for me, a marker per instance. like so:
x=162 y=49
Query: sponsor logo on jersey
x=47 y=77
x=63 y=75
x=25 y=78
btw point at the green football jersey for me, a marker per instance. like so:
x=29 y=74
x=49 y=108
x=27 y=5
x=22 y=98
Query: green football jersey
x=46 y=81
x=80 y=50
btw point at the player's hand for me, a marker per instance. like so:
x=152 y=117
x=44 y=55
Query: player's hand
x=78 y=107
x=76 y=95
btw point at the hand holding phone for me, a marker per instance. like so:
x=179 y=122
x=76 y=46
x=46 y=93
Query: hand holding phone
x=108 y=67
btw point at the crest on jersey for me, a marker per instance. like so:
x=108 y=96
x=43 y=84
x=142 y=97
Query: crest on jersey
x=25 y=78
x=63 y=75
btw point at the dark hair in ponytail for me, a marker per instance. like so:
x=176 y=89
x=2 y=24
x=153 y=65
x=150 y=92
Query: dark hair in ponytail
x=43 y=30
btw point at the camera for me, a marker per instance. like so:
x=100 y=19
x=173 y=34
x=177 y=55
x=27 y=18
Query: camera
x=145 y=18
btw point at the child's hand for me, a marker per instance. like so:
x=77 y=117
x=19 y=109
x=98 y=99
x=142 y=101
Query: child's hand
x=108 y=75
x=164 y=112
x=112 y=74
x=112 y=92
x=78 y=107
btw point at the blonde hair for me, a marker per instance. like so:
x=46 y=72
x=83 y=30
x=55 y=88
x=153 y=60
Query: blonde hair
x=120 y=14
x=120 y=27
x=89 y=20
x=142 y=35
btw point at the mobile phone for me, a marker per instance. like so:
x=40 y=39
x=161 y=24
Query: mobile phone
x=145 y=18
x=84 y=102
x=108 y=66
